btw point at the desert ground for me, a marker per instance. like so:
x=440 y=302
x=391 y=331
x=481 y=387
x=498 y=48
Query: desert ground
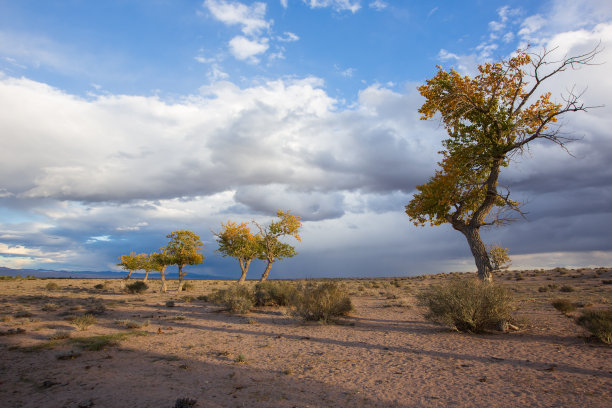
x=140 y=352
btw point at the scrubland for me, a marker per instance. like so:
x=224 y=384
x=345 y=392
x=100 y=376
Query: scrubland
x=90 y=342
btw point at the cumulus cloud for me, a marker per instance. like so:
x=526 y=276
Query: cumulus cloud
x=339 y=5
x=244 y=49
x=250 y=18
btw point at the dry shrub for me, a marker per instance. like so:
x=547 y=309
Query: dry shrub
x=83 y=322
x=567 y=288
x=598 y=322
x=52 y=286
x=564 y=305
x=322 y=303
x=274 y=293
x=467 y=305
x=137 y=287
x=236 y=299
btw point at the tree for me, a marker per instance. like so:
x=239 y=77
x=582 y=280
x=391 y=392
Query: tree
x=237 y=241
x=146 y=264
x=499 y=257
x=490 y=120
x=131 y=263
x=184 y=249
x=271 y=249
x=159 y=262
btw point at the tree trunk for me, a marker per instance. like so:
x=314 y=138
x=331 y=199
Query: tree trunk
x=129 y=274
x=163 y=280
x=266 y=272
x=480 y=254
x=180 y=274
x=244 y=267
x=146 y=276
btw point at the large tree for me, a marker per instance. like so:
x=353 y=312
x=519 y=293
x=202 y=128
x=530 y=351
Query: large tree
x=271 y=248
x=490 y=120
x=159 y=262
x=131 y=263
x=184 y=249
x=237 y=241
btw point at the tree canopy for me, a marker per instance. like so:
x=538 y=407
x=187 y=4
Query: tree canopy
x=184 y=249
x=490 y=119
x=271 y=248
x=237 y=241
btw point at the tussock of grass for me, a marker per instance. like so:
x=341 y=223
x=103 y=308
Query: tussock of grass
x=564 y=305
x=274 y=293
x=83 y=322
x=467 y=305
x=236 y=299
x=323 y=303
x=132 y=324
x=96 y=343
x=598 y=322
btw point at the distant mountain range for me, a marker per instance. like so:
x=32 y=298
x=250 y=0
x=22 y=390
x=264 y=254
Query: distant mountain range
x=48 y=273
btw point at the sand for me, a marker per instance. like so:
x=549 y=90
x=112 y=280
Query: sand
x=385 y=354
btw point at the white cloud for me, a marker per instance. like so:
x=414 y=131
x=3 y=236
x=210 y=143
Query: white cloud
x=251 y=18
x=288 y=37
x=244 y=49
x=339 y=5
x=284 y=3
x=378 y=5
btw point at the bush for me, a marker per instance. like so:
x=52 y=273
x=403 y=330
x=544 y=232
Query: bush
x=237 y=299
x=274 y=293
x=170 y=303
x=598 y=322
x=83 y=322
x=52 y=286
x=567 y=288
x=321 y=303
x=188 y=286
x=468 y=305
x=564 y=305
x=137 y=287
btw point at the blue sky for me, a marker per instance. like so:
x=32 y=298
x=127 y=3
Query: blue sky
x=125 y=120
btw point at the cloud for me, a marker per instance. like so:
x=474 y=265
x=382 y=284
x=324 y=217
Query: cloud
x=378 y=5
x=244 y=49
x=251 y=18
x=284 y=3
x=288 y=37
x=338 y=5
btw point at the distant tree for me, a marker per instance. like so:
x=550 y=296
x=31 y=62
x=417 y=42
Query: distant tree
x=184 y=249
x=146 y=264
x=237 y=241
x=131 y=263
x=271 y=248
x=490 y=120
x=499 y=257
x=159 y=262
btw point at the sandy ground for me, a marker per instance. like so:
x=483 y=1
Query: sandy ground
x=385 y=354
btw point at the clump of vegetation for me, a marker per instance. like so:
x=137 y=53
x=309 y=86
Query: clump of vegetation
x=188 y=286
x=236 y=299
x=564 y=305
x=50 y=307
x=323 y=303
x=60 y=335
x=23 y=313
x=468 y=305
x=132 y=324
x=170 y=303
x=185 y=403
x=83 y=322
x=567 y=288
x=598 y=322
x=51 y=286
x=274 y=293
x=96 y=343
x=137 y=287
x=607 y=281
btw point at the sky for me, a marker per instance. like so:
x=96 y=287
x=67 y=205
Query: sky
x=122 y=121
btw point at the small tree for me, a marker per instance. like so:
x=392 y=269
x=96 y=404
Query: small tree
x=146 y=264
x=490 y=120
x=237 y=241
x=159 y=262
x=499 y=257
x=184 y=249
x=271 y=248
x=131 y=263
